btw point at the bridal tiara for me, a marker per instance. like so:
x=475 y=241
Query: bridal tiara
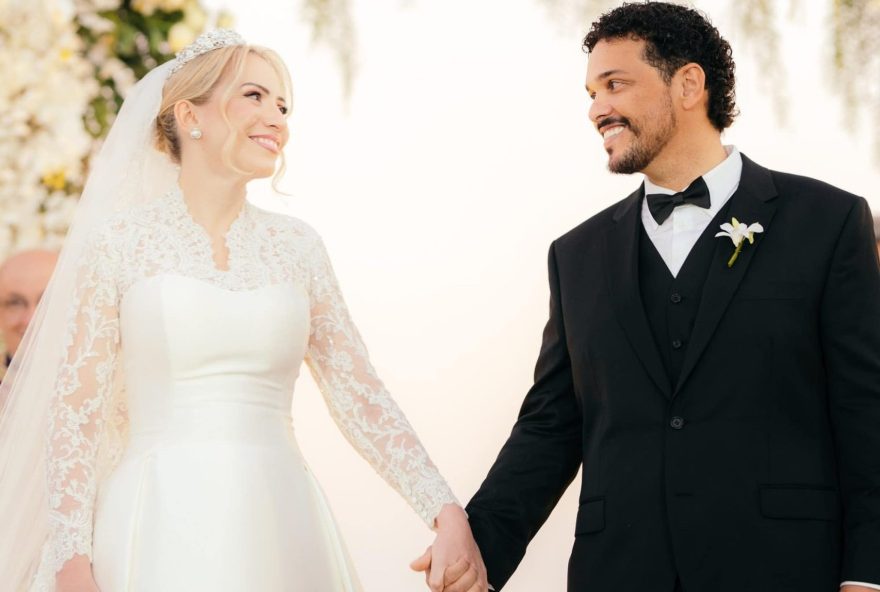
x=208 y=41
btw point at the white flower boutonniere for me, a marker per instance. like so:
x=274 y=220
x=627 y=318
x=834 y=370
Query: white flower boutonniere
x=739 y=233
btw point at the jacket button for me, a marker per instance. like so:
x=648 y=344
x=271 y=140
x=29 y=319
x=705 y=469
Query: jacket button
x=676 y=423
x=675 y=298
x=676 y=344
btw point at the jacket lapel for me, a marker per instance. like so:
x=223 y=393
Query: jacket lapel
x=752 y=202
x=622 y=267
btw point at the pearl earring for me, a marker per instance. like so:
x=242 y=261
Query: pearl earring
x=195 y=133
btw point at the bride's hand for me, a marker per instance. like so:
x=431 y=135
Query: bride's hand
x=454 y=559
x=76 y=576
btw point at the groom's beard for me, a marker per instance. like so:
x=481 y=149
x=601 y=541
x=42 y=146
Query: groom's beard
x=647 y=142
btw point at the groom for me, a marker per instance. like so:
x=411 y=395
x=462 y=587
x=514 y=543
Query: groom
x=726 y=411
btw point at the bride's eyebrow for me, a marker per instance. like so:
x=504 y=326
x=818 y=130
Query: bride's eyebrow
x=265 y=90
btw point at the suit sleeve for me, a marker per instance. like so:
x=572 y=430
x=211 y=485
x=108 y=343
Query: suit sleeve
x=539 y=459
x=850 y=330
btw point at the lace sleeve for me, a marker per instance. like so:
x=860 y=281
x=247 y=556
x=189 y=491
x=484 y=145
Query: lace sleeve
x=358 y=401
x=77 y=413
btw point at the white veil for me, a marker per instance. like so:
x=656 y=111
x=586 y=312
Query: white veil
x=128 y=169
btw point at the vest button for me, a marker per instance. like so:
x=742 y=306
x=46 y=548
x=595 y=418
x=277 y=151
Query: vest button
x=676 y=423
x=676 y=344
x=675 y=298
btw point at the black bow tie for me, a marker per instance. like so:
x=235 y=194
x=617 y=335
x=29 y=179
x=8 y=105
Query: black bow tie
x=661 y=205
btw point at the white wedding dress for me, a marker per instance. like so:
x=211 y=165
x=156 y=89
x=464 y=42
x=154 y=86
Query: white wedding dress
x=172 y=459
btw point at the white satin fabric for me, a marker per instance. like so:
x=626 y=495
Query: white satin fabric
x=212 y=492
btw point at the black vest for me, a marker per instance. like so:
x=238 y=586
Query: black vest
x=671 y=303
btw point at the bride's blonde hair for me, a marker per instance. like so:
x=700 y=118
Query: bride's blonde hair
x=198 y=80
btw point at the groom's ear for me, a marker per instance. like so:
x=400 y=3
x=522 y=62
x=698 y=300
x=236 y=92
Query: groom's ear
x=691 y=80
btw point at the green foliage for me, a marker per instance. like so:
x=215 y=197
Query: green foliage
x=125 y=38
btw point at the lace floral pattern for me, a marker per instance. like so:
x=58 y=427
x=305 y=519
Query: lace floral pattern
x=87 y=418
x=77 y=414
x=358 y=401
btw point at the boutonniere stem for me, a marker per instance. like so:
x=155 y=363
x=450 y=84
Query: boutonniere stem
x=739 y=233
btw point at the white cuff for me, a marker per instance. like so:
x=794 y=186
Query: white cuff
x=866 y=585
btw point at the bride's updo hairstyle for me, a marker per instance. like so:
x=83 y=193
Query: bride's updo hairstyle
x=198 y=80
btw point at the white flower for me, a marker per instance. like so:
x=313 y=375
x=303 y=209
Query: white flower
x=47 y=87
x=180 y=35
x=225 y=20
x=84 y=6
x=145 y=7
x=737 y=231
x=172 y=5
x=194 y=16
x=95 y=23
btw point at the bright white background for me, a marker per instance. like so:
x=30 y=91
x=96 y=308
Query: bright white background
x=463 y=151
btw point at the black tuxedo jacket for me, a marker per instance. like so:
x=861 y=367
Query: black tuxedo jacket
x=759 y=469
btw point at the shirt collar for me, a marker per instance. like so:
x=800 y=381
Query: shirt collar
x=722 y=181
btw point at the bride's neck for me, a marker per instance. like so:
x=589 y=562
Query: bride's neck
x=213 y=200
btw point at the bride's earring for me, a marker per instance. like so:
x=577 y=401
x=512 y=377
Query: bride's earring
x=195 y=133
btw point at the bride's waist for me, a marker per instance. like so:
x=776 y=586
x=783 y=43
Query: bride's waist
x=211 y=422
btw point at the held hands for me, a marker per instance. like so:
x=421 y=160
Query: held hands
x=453 y=563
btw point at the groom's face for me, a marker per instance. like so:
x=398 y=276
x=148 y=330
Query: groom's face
x=631 y=106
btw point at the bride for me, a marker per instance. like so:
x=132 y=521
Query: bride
x=163 y=358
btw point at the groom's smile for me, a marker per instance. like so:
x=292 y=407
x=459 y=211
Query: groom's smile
x=612 y=130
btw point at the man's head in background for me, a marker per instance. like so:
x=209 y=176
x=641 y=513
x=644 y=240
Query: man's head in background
x=23 y=278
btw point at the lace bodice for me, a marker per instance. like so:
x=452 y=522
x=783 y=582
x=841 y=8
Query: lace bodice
x=88 y=416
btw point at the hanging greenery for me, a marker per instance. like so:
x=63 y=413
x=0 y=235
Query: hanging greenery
x=332 y=25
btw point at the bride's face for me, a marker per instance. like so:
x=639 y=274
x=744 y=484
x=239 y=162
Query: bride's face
x=257 y=114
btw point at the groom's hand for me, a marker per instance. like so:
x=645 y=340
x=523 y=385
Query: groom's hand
x=453 y=563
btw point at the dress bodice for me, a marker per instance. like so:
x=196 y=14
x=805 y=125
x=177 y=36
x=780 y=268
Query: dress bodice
x=179 y=361
x=161 y=237
x=157 y=331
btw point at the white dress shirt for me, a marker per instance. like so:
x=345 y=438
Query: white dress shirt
x=676 y=237
x=678 y=234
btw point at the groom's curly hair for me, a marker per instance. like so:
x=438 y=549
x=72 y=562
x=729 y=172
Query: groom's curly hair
x=675 y=35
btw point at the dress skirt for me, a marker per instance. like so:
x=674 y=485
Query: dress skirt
x=221 y=500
